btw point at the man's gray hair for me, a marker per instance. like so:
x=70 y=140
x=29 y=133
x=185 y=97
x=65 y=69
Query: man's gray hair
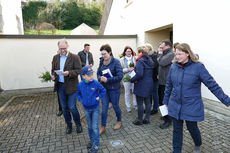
x=62 y=41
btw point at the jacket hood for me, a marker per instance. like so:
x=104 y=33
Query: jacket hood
x=147 y=61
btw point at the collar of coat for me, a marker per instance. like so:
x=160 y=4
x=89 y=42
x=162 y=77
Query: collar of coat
x=185 y=64
x=140 y=56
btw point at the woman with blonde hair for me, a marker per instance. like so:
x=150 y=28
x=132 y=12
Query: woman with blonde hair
x=183 y=95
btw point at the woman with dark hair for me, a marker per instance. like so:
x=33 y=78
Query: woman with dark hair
x=183 y=95
x=143 y=85
x=110 y=75
x=127 y=62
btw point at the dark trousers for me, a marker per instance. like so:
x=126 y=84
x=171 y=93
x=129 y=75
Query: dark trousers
x=59 y=104
x=68 y=104
x=178 y=134
x=140 y=109
x=161 y=92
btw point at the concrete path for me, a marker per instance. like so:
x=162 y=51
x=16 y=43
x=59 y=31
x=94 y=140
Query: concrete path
x=29 y=124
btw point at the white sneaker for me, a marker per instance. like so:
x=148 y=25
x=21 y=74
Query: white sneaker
x=128 y=109
x=197 y=149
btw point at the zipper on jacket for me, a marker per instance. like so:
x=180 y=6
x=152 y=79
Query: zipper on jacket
x=181 y=84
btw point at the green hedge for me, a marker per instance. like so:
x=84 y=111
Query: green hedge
x=63 y=15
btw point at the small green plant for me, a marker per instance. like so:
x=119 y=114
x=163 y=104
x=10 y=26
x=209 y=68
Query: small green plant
x=131 y=65
x=121 y=56
x=126 y=78
x=45 y=77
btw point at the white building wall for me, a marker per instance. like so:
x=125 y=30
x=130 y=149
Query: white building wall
x=12 y=17
x=23 y=60
x=204 y=24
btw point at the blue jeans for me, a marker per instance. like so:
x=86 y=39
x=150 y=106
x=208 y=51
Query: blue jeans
x=178 y=134
x=112 y=96
x=155 y=95
x=92 y=117
x=68 y=104
x=140 y=109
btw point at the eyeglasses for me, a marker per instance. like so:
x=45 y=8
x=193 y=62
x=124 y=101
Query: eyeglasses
x=62 y=48
x=104 y=54
x=128 y=51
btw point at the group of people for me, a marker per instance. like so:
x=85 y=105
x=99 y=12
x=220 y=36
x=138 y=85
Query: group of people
x=170 y=76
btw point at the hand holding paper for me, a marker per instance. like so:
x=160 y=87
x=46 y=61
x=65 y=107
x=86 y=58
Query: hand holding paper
x=58 y=72
x=164 y=110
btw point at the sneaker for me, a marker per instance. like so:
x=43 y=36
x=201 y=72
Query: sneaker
x=89 y=145
x=153 y=112
x=68 y=130
x=79 y=128
x=128 y=109
x=137 y=122
x=59 y=113
x=146 y=121
x=165 y=125
x=117 y=125
x=135 y=107
x=102 y=130
x=93 y=150
x=197 y=149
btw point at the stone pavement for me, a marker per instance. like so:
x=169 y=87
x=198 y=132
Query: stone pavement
x=29 y=124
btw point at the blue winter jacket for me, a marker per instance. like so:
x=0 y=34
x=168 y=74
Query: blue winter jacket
x=88 y=92
x=143 y=80
x=183 y=91
x=116 y=70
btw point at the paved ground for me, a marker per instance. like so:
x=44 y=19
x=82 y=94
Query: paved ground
x=30 y=124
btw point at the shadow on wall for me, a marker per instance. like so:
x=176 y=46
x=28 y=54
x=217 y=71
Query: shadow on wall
x=1 y=19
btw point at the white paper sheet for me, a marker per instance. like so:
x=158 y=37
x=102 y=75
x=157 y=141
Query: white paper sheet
x=58 y=72
x=132 y=74
x=163 y=110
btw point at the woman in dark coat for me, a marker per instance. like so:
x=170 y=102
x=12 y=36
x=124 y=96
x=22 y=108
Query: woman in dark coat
x=143 y=85
x=183 y=95
x=110 y=74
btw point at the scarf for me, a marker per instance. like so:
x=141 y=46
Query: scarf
x=140 y=56
x=107 y=62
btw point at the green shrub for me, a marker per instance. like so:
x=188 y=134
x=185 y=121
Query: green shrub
x=30 y=13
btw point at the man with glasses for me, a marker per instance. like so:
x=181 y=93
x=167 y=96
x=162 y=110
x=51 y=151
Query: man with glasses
x=65 y=70
x=165 y=57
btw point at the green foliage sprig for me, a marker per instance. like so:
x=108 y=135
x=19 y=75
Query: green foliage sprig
x=131 y=65
x=45 y=77
x=126 y=78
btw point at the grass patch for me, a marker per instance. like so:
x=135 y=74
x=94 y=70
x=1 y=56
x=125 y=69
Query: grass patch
x=58 y=32
x=47 y=32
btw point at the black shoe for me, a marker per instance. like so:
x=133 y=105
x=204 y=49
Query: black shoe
x=146 y=122
x=89 y=145
x=79 y=128
x=68 y=130
x=165 y=125
x=137 y=122
x=59 y=113
x=153 y=112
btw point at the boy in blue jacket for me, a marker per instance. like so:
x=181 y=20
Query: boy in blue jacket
x=89 y=93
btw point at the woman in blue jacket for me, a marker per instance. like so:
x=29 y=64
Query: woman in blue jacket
x=110 y=74
x=183 y=95
x=143 y=85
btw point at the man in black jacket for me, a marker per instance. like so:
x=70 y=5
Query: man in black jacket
x=165 y=57
x=85 y=56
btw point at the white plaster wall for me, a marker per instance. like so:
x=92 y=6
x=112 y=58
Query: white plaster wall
x=11 y=9
x=23 y=60
x=204 y=24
